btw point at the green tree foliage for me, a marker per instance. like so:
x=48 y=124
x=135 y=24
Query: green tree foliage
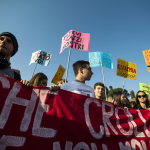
x=110 y=87
x=110 y=92
x=132 y=94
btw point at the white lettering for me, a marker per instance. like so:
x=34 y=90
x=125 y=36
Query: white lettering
x=106 y=116
x=37 y=130
x=126 y=147
x=13 y=141
x=145 y=128
x=104 y=147
x=134 y=142
x=81 y=145
x=5 y=82
x=126 y=133
x=12 y=99
x=87 y=118
x=136 y=133
x=56 y=145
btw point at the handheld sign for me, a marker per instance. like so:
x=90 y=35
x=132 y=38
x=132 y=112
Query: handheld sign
x=126 y=69
x=94 y=59
x=145 y=87
x=76 y=40
x=59 y=74
x=106 y=60
x=147 y=58
x=100 y=59
x=41 y=57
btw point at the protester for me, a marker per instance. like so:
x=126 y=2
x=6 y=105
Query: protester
x=39 y=79
x=142 y=101
x=99 y=90
x=120 y=99
x=8 y=48
x=83 y=73
x=61 y=81
x=110 y=99
x=132 y=104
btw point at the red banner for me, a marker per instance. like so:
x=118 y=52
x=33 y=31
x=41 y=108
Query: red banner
x=42 y=120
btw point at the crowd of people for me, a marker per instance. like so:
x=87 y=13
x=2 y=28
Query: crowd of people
x=82 y=71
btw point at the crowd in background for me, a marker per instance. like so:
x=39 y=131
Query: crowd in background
x=82 y=71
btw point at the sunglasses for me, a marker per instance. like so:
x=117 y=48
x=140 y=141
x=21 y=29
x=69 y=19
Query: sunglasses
x=139 y=96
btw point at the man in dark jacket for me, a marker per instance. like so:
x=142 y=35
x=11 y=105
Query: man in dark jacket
x=8 y=48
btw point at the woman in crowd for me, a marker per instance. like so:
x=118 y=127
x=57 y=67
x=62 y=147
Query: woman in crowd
x=120 y=99
x=142 y=101
x=39 y=79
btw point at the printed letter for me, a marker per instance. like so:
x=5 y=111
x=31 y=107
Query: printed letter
x=126 y=133
x=87 y=118
x=13 y=141
x=81 y=145
x=106 y=116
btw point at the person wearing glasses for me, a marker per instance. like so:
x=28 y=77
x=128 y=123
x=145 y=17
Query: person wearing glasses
x=142 y=101
x=83 y=73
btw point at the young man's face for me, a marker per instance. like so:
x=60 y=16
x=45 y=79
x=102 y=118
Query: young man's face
x=6 y=46
x=99 y=91
x=87 y=72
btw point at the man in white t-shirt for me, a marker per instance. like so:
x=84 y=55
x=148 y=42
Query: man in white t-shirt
x=83 y=72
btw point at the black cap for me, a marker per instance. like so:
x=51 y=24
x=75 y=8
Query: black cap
x=13 y=38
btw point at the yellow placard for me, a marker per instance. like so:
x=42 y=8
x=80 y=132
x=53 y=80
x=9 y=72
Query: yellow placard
x=59 y=74
x=126 y=69
x=147 y=58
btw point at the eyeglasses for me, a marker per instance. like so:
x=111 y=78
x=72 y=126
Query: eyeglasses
x=139 y=96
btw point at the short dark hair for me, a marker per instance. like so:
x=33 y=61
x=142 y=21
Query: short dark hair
x=98 y=84
x=78 y=64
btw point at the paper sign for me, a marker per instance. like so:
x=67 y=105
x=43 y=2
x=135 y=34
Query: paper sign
x=94 y=59
x=100 y=59
x=41 y=57
x=147 y=58
x=59 y=74
x=106 y=60
x=145 y=87
x=76 y=40
x=126 y=69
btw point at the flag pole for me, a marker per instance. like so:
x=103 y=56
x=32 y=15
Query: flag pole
x=104 y=82
x=123 y=84
x=68 y=64
x=34 y=68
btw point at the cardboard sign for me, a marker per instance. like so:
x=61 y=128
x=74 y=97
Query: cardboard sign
x=126 y=69
x=146 y=54
x=40 y=119
x=145 y=87
x=41 y=57
x=76 y=40
x=100 y=59
x=94 y=59
x=59 y=74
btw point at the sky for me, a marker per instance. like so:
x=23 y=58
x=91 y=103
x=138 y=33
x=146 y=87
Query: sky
x=118 y=27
